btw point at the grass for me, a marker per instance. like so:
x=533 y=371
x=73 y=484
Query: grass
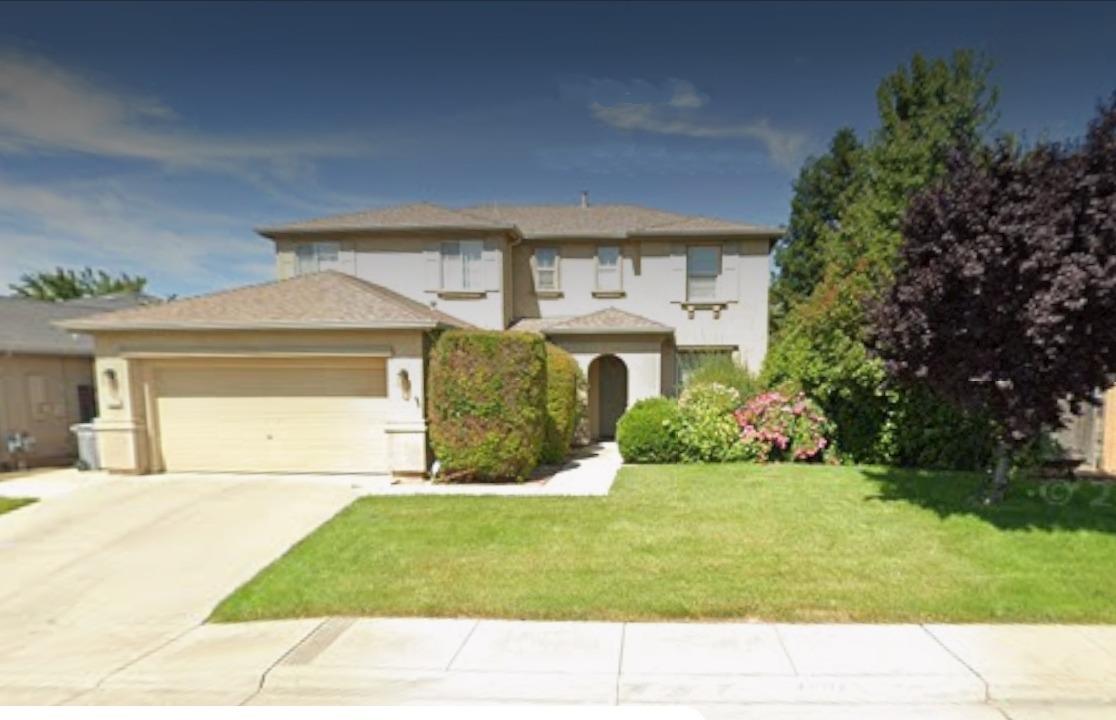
x=788 y=543
x=9 y=504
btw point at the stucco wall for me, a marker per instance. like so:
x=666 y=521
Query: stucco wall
x=408 y=265
x=50 y=423
x=125 y=425
x=654 y=284
x=642 y=355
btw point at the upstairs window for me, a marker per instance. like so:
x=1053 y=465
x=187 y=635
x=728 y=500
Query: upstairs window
x=546 y=270
x=608 y=268
x=703 y=266
x=317 y=256
x=462 y=270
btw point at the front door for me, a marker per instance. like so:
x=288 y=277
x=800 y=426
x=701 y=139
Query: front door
x=612 y=394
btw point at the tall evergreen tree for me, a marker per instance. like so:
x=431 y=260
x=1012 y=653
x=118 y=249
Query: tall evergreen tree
x=821 y=192
x=926 y=109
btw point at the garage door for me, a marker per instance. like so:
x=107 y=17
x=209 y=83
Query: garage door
x=272 y=415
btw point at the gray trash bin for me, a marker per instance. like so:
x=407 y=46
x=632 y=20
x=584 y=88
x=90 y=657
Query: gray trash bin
x=87 y=446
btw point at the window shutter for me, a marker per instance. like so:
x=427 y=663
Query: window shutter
x=728 y=282
x=491 y=257
x=678 y=272
x=431 y=260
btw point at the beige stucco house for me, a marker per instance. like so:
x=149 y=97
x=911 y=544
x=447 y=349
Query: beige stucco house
x=46 y=377
x=323 y=369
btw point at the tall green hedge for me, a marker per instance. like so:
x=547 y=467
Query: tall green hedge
x=561 y=403
x=487 y=404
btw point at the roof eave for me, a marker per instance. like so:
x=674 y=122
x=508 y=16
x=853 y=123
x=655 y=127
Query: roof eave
x=577 y=236
x=759 y=233
x=607 y=331
x=278 y=325
x=43 y=350
x=285 y=233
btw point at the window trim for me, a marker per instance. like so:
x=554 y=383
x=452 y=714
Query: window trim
x=461 y=288
x=308 y=255
x=727 y=350
x=617 y=291
x=556 y=289
x=716 y=276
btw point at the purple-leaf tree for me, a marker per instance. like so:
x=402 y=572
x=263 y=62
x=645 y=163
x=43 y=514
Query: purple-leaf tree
x=1004 y=301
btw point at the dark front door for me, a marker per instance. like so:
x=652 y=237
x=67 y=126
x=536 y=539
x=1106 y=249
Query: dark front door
x=612 y=394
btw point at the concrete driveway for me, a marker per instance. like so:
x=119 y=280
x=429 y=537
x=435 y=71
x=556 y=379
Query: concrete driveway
x=96 y=578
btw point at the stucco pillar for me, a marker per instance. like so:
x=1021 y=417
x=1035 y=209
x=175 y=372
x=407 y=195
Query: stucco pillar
x=406 y=427
x=121 y=425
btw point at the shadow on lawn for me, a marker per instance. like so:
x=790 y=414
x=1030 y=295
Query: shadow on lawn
x=1030 y=505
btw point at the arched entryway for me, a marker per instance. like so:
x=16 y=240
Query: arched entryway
x=608 y=395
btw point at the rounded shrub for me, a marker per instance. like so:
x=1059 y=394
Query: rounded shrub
x=648 y=432
x=487 y=404
x=561 y=403
x=708 y=430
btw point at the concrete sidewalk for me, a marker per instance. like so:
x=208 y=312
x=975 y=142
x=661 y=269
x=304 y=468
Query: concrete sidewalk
x=590 y=471
x=726 y=669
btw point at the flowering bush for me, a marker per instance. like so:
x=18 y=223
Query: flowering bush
x=775 y=427
x=707 y=431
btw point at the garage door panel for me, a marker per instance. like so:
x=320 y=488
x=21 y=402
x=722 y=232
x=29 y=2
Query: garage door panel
x=269 y=418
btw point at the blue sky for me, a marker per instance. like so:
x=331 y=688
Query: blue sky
x=152 y=137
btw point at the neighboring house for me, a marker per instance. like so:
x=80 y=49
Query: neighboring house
x=324 y=371
x=46 y=378
x=1090 y=436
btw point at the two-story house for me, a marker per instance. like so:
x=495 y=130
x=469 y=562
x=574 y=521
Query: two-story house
x=323 y=370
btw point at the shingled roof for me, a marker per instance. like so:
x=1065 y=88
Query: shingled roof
x=529 y=221
x=325 y=300
x=28 y=326
x=416 y=216
x=609 y=320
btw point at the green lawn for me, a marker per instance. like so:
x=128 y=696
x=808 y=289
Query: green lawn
x=9 y=504
x=727 y=541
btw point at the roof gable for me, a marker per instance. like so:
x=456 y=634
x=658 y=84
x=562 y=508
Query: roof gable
x=608 y=320
x=322 y=300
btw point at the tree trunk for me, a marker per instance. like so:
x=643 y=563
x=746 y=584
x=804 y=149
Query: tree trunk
x=998 y=483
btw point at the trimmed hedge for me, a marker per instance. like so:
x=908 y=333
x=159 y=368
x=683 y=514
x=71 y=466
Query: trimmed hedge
x=487 y=404
x=561 y=403
x=648 y=432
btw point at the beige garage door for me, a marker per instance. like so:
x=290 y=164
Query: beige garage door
x=272 y=415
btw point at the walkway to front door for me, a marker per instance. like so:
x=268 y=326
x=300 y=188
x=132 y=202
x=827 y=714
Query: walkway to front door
x=608 y=395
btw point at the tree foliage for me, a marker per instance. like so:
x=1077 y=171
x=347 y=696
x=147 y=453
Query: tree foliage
x=926 y=109
x=64 y=284
x=1006 y=294
x=823 y=189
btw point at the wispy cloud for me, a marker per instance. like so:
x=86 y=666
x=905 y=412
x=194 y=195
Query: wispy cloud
x=678 y=108
x=134 y=217
x=105 y=226
x=48 y=108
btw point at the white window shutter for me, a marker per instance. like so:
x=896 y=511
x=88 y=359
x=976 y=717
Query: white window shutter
x=728 y=282
x=678 y=272
x=491 y=257
x=431 y=260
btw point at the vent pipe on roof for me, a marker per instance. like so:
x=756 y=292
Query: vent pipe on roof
x=584 y=198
